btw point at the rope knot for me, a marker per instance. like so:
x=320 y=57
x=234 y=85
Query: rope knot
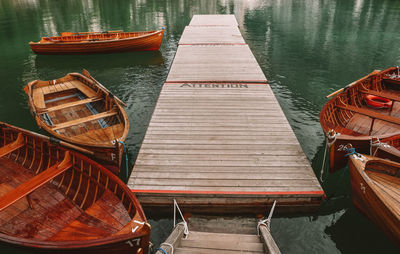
x=351 y=151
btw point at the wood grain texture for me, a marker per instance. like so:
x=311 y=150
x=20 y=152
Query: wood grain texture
x=206 y=63
x=205 y=148
x=211 y=35
x=213 y=20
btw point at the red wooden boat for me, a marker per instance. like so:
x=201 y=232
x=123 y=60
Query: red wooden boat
x=94 y=42
x=350 y=118
x=78 y=109
x=376 y=191
x=55 y=200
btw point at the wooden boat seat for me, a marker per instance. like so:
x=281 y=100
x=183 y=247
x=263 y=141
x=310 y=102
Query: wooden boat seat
x=84 y=89
x=35 y=182
x=39 y=93
x=84 y=119
x=370 y=113
x=391 y=81
x=18 y=143
x=110 y=133
x=71 y=104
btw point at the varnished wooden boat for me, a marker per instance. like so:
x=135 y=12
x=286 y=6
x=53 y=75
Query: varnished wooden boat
x=92 y=42
x=55 y=200
x=78 y=109
x=376 y=191
x=347 y=119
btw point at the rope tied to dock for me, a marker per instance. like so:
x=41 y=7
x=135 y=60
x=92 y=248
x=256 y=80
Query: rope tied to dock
x=330 y=135
x=267 y=221
x=126 y=155
x=375 y=142
x=184 y=223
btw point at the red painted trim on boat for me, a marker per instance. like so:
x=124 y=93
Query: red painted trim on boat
x=233 y=192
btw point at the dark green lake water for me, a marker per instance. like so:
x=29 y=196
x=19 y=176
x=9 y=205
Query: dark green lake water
x=307 y=49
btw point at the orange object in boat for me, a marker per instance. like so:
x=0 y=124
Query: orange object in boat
x=378 y=102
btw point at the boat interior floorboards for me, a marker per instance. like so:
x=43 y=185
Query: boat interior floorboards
x=37 y=216
x=41 y=219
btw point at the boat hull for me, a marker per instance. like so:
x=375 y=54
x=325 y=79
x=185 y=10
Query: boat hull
x=147 y=43
x=370 y=203
x=55 y=200
x=348 y=121
x=105 y=144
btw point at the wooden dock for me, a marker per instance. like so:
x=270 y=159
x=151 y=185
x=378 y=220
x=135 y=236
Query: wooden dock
x=218 y=140
x=216 y=235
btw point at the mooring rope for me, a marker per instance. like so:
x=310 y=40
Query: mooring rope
x=126 y=156
x=330 y=135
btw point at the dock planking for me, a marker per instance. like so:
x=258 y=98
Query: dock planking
x=218 y=140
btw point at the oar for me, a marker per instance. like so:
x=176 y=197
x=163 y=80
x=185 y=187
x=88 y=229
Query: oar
x=87 y=74
x=63 y=143
x=351 y=84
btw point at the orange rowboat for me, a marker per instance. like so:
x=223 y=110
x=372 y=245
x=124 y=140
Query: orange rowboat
x=352 y=118
x=79 y=110
x=55 y=200
x=92 y=42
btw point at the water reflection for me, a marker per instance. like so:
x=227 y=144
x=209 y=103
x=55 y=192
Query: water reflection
x=99 y=62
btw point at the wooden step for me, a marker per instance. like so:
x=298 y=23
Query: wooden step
x=221 y=244
x=211 y=251
x=206 y=236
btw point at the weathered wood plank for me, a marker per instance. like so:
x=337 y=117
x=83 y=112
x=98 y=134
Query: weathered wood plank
x=211 y=35
x=213 y=20
x=232 y=63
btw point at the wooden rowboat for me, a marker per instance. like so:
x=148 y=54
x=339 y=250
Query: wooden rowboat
x=94 y=42
x=347 y=119
x=56 y=200
x=78 y=109
x=376 y=191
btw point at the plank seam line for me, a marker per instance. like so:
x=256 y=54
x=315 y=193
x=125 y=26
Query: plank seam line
x=232 y=192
